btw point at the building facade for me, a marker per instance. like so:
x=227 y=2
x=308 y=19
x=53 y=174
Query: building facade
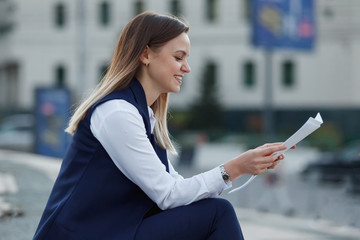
x=69 y=43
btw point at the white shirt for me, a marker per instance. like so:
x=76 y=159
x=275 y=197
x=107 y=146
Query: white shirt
x=120 y=129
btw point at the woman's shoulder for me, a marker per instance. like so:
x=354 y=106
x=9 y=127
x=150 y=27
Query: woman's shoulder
x=115 y=113
x=121 y=95
x=117 y=105
x=124 y=94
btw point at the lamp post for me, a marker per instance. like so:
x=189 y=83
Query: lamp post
x=268 y=114
x=81 y=46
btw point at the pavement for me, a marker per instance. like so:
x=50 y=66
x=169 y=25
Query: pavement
x=26 y=180
x=268 y=226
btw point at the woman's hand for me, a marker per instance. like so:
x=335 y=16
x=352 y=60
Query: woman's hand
x=281 y=157
x=255 y=161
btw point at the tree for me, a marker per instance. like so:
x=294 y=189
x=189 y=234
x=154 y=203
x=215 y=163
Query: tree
x=206 y=112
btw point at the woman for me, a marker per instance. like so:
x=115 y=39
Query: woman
x=116 y=181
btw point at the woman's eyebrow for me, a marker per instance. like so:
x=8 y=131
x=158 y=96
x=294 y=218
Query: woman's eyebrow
x=182 y=51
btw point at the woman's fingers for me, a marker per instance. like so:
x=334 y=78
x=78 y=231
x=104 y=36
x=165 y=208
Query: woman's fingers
x=275 y=163
x=281 y=157
x=272 y=149
x=263 y=168
x=267 y=145
x=269 y=162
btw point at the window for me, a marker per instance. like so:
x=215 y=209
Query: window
x=249 y=74
x=139 y=7
x=60 y=76
x=247 y=10
x=60 y=13
x=209 y=80
x=104 y=14
x=7 y=17
x=288 y=73
x=211 y=10
x=175 y=7
x=328 y=12
x=210 y=72
x=9 y=85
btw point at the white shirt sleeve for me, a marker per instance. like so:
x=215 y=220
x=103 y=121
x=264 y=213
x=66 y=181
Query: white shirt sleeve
x=173 y=172
x=119 y=127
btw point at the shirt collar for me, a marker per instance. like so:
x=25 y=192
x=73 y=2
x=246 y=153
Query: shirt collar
x=152 y=119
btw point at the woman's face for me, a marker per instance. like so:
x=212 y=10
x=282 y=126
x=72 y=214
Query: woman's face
x=168 y=64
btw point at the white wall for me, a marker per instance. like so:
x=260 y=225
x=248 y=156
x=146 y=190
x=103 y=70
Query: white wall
x=326 y=77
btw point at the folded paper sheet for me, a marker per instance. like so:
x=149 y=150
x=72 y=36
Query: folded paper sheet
x=310 y=126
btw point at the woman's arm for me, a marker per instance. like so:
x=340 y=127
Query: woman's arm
x=119 y=127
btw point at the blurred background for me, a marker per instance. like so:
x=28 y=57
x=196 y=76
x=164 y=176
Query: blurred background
x=260 y=69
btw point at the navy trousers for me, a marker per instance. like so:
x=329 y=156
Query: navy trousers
x=212 y=219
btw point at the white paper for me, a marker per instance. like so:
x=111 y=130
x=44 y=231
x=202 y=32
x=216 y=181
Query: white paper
x=310 y=126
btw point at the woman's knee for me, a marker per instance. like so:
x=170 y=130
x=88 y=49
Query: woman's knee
x=225 y=206
x=222 y=206
x=226 y=224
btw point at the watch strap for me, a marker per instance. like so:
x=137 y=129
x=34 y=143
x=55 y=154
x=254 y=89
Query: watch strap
x=224 y=174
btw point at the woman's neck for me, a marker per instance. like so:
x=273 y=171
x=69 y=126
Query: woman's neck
x=150 y=93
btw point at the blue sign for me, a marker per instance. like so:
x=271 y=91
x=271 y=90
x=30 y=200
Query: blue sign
x=283 y=24
x=52 y=116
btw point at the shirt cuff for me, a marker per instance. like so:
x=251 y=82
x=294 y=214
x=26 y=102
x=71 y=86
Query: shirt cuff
x=214 y=181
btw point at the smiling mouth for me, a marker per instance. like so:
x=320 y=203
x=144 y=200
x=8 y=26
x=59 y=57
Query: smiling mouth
x=179 y=79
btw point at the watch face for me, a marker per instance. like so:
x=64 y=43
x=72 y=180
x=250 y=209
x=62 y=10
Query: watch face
x=225 y=177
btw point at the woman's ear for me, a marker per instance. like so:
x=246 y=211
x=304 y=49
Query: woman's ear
x=144 y=57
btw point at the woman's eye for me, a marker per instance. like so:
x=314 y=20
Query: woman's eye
x=178 y=58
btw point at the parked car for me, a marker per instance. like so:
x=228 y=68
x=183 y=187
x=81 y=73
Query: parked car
x=17 y=132
x=337 y=167
x=354 y=183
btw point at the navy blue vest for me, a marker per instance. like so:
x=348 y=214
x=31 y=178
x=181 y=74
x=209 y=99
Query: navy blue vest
x=91 y=198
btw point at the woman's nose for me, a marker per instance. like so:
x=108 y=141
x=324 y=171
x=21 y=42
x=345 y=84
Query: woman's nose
x=186 y=67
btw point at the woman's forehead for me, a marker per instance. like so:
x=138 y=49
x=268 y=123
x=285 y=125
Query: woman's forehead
x=179 y=44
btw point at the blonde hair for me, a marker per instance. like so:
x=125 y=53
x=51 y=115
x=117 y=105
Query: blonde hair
x=146 y=29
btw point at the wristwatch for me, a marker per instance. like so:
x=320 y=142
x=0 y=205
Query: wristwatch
x=224 y=174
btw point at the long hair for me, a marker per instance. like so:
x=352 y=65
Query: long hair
x=146 y=29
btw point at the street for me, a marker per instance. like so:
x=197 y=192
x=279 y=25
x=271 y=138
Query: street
x=304 y=211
